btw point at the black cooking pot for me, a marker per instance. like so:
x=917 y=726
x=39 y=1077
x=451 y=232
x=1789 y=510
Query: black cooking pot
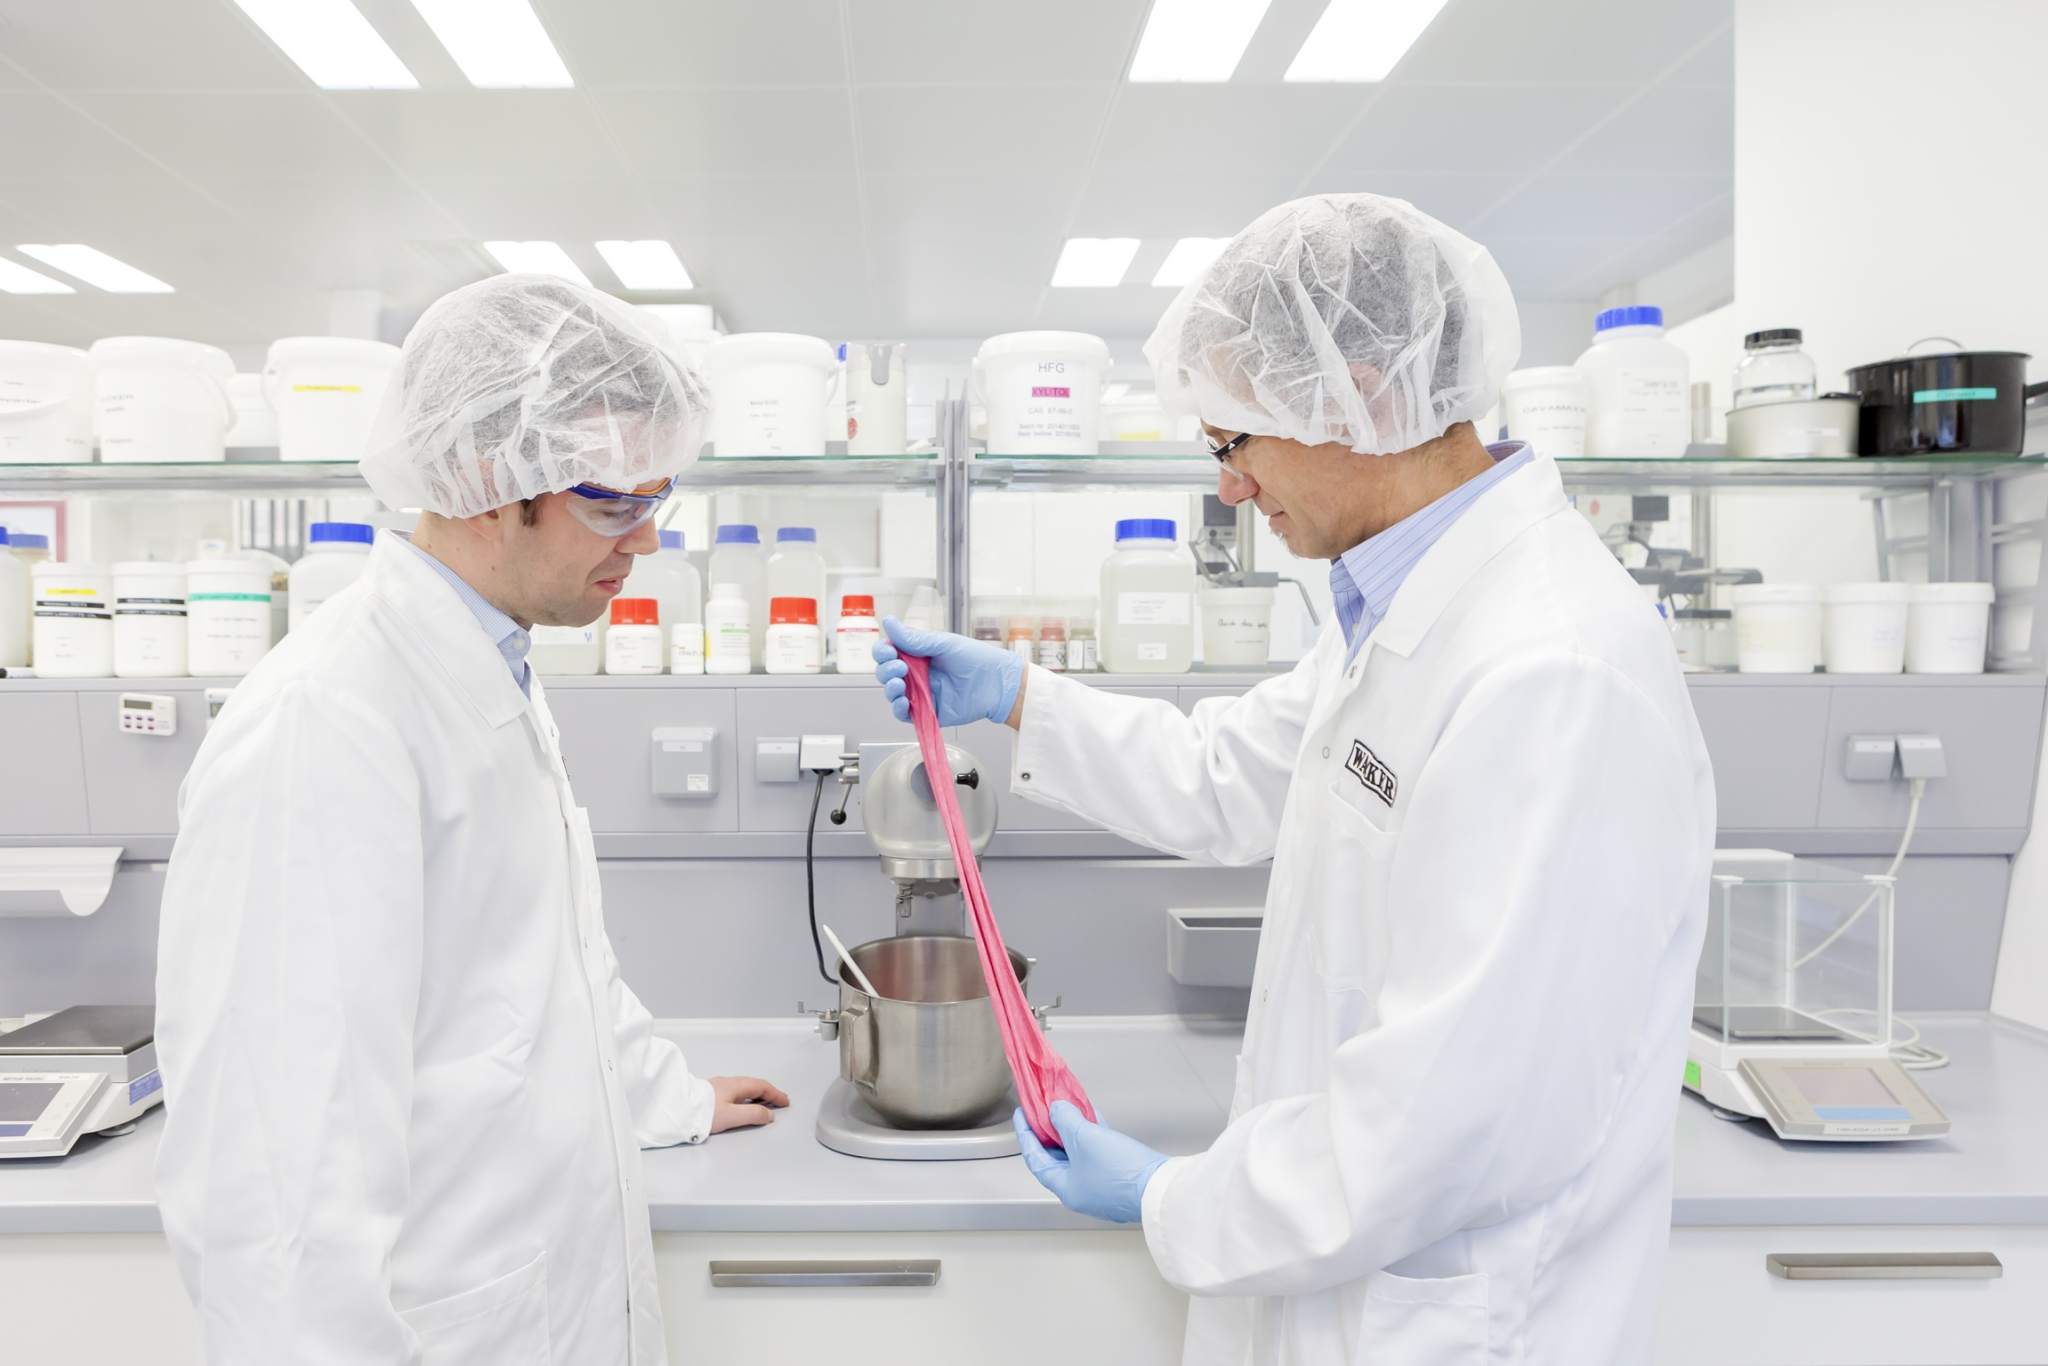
x=1946 y=403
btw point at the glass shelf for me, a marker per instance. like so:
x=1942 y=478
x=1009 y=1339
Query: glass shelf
x=1713 y=473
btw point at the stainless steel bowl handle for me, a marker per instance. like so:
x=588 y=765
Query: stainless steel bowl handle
x=828 y=1021
x=1043 y=1012
x=857 y=1024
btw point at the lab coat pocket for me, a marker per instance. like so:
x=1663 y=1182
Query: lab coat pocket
x=1438 y=1322
x=1348 y=916
x=503 y=1322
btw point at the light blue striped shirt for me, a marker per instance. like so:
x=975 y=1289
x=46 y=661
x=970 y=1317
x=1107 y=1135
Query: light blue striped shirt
x=512 y=640
x=1365 y=578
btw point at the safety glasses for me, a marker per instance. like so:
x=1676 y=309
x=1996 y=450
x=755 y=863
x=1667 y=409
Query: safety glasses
x=615 y=512
x=1222 y=449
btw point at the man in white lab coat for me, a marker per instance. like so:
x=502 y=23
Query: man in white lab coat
x=406 y=1087
x=1491 y=820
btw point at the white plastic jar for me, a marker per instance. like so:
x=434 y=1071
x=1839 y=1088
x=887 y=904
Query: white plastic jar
x=728 y=633
x=737 y=558
x=1546 y=407
x=672 y=581
x=794 y=645
x=227 y=606
x=1774 y=369
x=1148 y=600
x=1777 y=628
x=569 y=651
x=161 y=400
x=1948 y=626
x=336 y=555
x=796 y=569
x=858 y=634
x=74 y=620
x=1043 y=392
x=633 y=645
x=769 y=393
x=1864 y=628
x=1636 y=387
x=150 y=629
x=14 y=607
x=45 y=405
x=325 y=392
x=1237 y=627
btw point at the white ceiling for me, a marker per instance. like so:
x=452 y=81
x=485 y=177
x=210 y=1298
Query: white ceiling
x=862 y=168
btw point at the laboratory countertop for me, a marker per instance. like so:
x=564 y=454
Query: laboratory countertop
x=1168 y=1083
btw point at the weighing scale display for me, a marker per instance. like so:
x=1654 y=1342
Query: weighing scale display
x=25 y=1101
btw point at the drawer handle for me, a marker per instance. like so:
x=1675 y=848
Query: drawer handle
x=1884 y=1266
x=823 y=1275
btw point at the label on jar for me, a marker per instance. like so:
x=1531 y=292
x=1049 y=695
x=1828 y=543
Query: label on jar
x=1152 y=651
x=793 y=648
x=686 y=648
x=1154 y=609
x=1081 y=655
x=1052 y=654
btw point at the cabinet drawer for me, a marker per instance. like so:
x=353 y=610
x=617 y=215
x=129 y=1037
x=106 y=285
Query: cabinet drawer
x=998 y=1299
x=1722 y=1303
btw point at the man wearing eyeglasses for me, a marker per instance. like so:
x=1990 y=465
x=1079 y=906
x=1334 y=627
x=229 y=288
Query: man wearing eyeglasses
x=1490 y=818
x=406 y=1086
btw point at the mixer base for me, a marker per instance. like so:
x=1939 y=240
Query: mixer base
x=848 y=1124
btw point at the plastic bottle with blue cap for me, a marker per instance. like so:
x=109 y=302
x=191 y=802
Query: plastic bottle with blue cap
x=1638 y=383
x=336 y=555
x=797 y=570
x=1148 y=600
x=737 y=559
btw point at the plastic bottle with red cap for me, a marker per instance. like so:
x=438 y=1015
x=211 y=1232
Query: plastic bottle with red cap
x=633 y=645
x=859 y=633
x=794 y=645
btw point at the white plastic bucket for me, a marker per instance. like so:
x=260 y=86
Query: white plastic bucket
x=74 y=620
x=255 y=423
x=1546 y=407
x=1947 y=626
x=149 y=620
x=1777 y=628
x=325 y=392
x=227 y=605
x=158 y=400
x=1043 y=391
x=769 y=392
x=1237 y=627
x=45 y=404
x=1864 y=628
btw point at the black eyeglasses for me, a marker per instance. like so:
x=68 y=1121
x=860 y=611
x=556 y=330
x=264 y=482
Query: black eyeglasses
x=1222 y=449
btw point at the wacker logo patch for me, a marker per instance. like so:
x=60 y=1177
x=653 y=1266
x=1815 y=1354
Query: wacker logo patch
x=1365 y=766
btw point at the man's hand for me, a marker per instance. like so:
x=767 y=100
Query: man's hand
x=744 y=1103
x=1101 y=1172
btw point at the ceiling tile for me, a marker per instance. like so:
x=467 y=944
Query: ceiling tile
x=1018 y=130
x=671 y=134
x=45 y=137
x=560 y=208
x=207 y=137
x=915 y=206
x=1508 y=128
x=1601 y=206
x=1711 y=64
x=772 y=206
x=1667 y=130
x=990 y=44
x=670 y=43
x=1456 y=199
x=142 y=45
x=1115 y=204
x=1553 y=267
x=1561 y=42
x=333 y=212
x=547 y=133
x=1211 y=133
x=759 y=285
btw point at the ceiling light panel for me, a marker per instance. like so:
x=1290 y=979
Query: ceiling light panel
x=1361 y=40
x=499 y=44
x=645 y=265
x=536 y=258
x=1195 y=40
x=95 y=267
x=332 y=43
x=1093 y=262
x=1189 y=257
x=16 y=278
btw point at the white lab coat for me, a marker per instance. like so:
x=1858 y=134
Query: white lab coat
x=406 y=1088
x=1491 y=838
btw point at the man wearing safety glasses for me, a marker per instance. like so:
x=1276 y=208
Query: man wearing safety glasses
x=406 y=1086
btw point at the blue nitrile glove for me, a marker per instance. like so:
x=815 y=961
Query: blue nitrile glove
x=972 y=680
x=1102 y=1173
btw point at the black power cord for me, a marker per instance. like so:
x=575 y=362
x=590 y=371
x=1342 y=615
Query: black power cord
x=811 y=878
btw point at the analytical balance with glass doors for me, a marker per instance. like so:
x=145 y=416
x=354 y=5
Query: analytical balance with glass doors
x=1792 y=1016
x=922 y=1074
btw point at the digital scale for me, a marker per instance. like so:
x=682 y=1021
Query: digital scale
x=86 y=1070
x=1792 y=1019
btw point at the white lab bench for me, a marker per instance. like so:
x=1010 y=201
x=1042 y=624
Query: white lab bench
x=80 y=1235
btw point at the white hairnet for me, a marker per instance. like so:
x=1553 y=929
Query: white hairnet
x=521 y=385
x=1345 y=317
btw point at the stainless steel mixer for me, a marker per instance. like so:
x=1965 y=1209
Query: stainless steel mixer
x=921 y=1065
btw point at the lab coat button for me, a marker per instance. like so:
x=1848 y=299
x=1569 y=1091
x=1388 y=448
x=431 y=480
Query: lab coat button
x=1023 y=777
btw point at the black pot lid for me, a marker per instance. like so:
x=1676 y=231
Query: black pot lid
x=1943 y=355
